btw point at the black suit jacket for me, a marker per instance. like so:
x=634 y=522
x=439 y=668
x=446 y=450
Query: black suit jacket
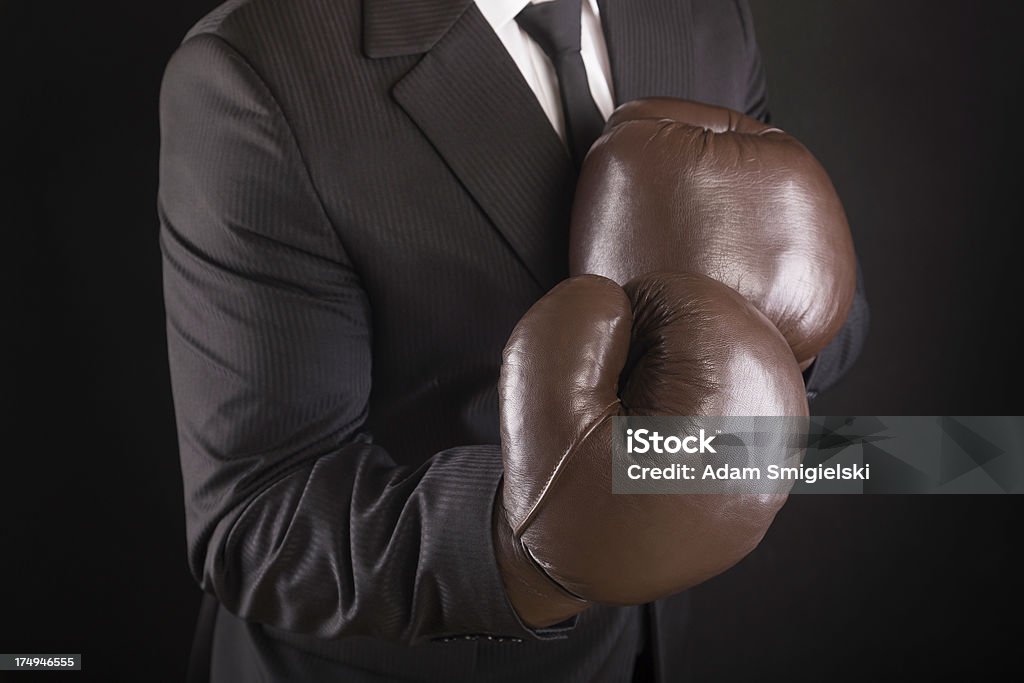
x=358 y=200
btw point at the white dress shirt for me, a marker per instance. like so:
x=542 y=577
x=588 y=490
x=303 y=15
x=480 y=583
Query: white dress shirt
x=537 y=68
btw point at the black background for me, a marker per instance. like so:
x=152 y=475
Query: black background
x=912 y=107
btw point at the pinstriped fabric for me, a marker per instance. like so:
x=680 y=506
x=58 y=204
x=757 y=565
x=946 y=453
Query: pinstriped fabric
x=270 y=360
x=361 y=660
x=214 y=19
x=523 y=177
x=650 y=47
x=687 y=23
x=400 y=27
x=348 y=241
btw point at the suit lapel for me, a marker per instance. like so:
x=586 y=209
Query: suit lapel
x=468 y=97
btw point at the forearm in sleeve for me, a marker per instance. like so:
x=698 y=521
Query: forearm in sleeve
x=295 y=519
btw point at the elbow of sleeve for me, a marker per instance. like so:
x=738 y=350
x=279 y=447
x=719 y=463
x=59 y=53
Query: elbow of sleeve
x=265 y=562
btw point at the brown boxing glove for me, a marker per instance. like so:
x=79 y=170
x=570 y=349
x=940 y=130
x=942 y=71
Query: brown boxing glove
x=695 y=347
x=685 y=187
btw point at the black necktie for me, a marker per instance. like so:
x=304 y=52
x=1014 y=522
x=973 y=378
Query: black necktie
x=555 y=27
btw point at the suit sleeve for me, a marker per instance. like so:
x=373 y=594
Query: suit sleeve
x=295 y=519
x=841 y=353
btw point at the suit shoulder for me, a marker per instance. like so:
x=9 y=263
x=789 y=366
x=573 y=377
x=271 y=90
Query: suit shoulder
x=211 y=23
x=256 y=22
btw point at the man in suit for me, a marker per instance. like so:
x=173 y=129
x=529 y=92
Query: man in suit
x=358 y=201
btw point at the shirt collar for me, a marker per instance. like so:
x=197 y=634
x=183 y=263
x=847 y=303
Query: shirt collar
x=500 y=12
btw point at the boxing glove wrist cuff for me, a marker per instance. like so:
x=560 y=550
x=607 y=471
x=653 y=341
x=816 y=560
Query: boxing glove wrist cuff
x=537 y=599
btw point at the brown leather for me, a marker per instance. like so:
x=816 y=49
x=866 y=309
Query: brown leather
x=680 y=186
x=698 y=348
x=536 y=597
